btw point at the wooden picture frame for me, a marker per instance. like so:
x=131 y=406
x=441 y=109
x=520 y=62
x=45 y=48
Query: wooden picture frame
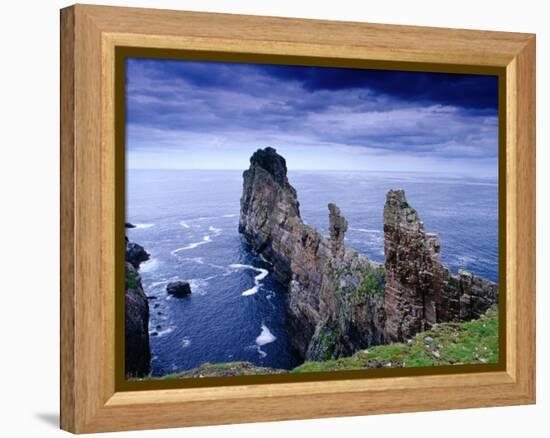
x=91 y=399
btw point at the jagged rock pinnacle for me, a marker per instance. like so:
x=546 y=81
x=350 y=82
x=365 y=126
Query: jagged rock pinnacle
x=397 y=211
x=338 y=225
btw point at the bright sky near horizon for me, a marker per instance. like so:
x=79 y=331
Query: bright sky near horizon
x=213 y=115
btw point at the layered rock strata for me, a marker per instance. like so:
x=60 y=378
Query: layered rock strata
x=420 y=291
x=339 y=302
x=137 y=350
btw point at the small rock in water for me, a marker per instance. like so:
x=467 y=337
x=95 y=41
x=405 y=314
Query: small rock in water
x=129 y=225
x=179 y=288
x=154 y=334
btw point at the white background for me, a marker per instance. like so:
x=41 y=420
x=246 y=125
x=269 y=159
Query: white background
x=29 y=218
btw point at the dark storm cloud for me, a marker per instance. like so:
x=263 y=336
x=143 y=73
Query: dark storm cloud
x=425 y=114
x=468 y=91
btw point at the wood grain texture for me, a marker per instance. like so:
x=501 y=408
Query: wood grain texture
x=525 y=287
x=67 y=326
x=89 y=36
x=373 y=41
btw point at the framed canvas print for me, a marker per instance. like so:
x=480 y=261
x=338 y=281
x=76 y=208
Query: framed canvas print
x=269 y=218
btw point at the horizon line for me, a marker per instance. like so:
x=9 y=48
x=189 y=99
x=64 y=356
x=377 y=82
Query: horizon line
x=308 y=170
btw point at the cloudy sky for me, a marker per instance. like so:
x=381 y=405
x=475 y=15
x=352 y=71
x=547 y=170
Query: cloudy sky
x=209 y=115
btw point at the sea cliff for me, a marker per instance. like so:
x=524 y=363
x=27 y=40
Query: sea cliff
x=137 y=350
x=339 y=302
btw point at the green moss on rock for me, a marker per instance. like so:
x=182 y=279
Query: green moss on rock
x=131 y=280
x=373 y=283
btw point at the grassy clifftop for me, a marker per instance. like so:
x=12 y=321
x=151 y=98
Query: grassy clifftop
x=472 y=342
x=227 y=369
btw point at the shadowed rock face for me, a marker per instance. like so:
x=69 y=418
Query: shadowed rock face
x=135 y=254
x=270 y=211
x=137 y=350
x=420 y=291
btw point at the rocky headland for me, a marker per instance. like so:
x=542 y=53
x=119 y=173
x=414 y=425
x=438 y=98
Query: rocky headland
x=137 y=350
x=339 y=302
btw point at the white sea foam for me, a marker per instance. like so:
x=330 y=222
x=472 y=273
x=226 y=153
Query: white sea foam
x=265 y=260
x=185 y=342
x=263 y=273
x=143 y=225
x=185 y=225
x=198 y=285
x=229 y=215
x=205 y=239
x=366 y=230
x=465 y=260
x=165 y=331
x=257 y=279
x=266 y=337
x=198 y=260
x=240 y=266
x=156 y=284
x=251 y=291
x=215 y=230
x=149 y=265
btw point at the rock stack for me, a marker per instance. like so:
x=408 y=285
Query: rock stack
x=325 y=317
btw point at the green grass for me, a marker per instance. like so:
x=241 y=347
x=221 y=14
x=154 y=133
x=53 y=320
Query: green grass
x=345 y=363
x=473 y=342
x=220 y=370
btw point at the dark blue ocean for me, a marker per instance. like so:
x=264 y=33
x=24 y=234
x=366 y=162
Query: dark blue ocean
x=187 y=220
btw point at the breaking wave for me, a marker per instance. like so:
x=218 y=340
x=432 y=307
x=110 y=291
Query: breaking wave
x=257 y=279
x=206 y=239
